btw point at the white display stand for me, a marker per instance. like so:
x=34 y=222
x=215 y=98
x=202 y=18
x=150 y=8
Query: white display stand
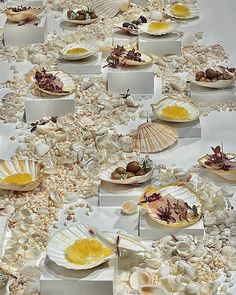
x=32 y=3
x=149 y=230
x=121 y=38
x=56 y=280
x=3 y=229
x=90 y=65
x=138 y=79
x=37 y=107
x=25 y=34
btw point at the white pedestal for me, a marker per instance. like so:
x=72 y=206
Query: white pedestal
x=121 y=38
x=32 y=3
x=37 y=107
x=25 y=34
x=90 y=65
x=56 y=280
x=138 y=79
x=149 y=230
x=3 y=229
x=160 y=45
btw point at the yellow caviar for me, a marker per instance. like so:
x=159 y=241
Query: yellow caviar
x=175 y=112
x=20 y=178
x=78 y=50
x=158 y=26
x=180 y=10
x=86 y=251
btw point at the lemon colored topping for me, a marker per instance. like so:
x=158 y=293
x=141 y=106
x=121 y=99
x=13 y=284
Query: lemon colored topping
x=20 y=178
x=158 y=26
x=180 y=10
x=78 y=50
x=175 y=112
x=86 y=251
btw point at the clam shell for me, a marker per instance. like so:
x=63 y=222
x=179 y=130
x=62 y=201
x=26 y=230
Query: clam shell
x=21 y=166
x=172 y=27
x=41 y=149
x=109 y=8
x=139 y=278
x=229 y=175
x=129 y=207
x=91 y=47
x=68 y=83
x=29 y=14
x=153 y=137
x=194 y=12
x=153 y=290
x=194 y=112
x=78 y=22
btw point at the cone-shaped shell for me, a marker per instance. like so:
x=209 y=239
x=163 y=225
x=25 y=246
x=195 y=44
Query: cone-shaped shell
x=153 y=137
x=16 y=166
x=109 y=8
x=29 y=14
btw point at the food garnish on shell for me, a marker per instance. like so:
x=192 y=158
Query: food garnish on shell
x=81 y=15
x=48 y=81
x=214 y=75
x=131 y=28
x=22 y=13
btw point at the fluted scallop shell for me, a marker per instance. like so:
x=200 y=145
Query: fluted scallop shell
x=129 y=207
x=78 y=22
x=193 y=111
x=229 y=175
x=146 y=60
x=105 y=175
x=29 y=14
x=68 y=83
x=153 y=137
x=109 y=8
x=21 y=166
x=145 y=29
x=194 y=11
x=91 y=47
x=179 y=192
x=139 y=278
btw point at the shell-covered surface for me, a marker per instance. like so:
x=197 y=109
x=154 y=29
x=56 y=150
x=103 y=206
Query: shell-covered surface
x=179 y=192
x=153 y=137
x=109 y=8
x=229 y=175
x=68 y=83
x=91 y=48
x=16 y=166
x=172 y=26
x=105 y=175
x=78 y=22
x=193 y=9
x=24 y=15
x=193 y=111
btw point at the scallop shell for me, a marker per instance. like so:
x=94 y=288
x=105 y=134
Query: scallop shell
x=78 y=22
x=193 y=111
x=105 y=175
x=132 y=32
x=109 y=8
x=153 y=137
x=68 y=83
x=209 y=288
x=129 y=207
x=29 y=14
x=146 y=60
x=172 y=27
x=194 y=12
x=139 y=278
x=91 y=47
x=153 y=290
x=21 y=166
x=229 y=175
x=193 y=289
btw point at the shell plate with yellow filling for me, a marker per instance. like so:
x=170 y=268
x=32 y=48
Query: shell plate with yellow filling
x=78 y=50
x=180 y=10
x=18 y=178
x=175 y=112
x=156 y=26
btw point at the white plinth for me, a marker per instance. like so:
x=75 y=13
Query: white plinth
x=56 y=280
x=37 y=107
x=25 y=34
x=32 y=3
x=139 y=80
x=3 y=229
x=149 y=230
x=160 y=45
x=90 y=65
x=121 y=38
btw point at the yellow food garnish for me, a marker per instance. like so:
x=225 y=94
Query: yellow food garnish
x=180 y=10
x=86 y=251
x=20 y=178
x=175 y=112
x=158 y=26
x=78 y=50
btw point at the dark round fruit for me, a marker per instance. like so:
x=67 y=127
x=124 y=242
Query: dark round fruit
x=93 y=15
x=210 y=73
x=125 y=25
x=133 y=167
x=130 y=174
x=142 y=19
x=115 y=175
x=140 y=172
x=136 y=22
x=199 y=75
x=120 y=170
x=80 y=17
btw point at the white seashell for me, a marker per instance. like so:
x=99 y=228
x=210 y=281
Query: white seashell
x=187 y=39
x=25 y=15
x=190 y=271
x=139 y=278
x=3 y=280
x=129 y=207
x=209 y=220
x=70 y=118
x=153 y=263
x=124 y=277
x=172 y=26
x=76 y=146
x=178 y=86
x=109 y=8
x=31 y=219
x=126 y=144
x=130 y=102
x=101 y=131
x=55 y=197
x=9 y=270
x=16 y=217
x=32 y=254
x=9 y=209
x=185 y=249
x=70 y=198
x=153 y=290
x=193 y=289
x=209 y=288
x=228 y=251
x=193 y=8
x=41 y=149
x=227 y=191
x=90 y=46
x=163 y=271
x=189 y=57
x=25 y=212
x=155 y=15
x=60 y=136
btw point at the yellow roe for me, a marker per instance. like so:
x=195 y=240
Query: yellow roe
x=180 y=10
x=20 y=178
x=175 y=112
x=158 y=26
x=78 y=50
x=86 y=251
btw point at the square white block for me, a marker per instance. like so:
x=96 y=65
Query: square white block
x=37 y=107
x=160 y=45
x=56 y=280
x=32 y=3
x=25 y=34
x=150 y=230
x=90 y=65
x=121 y=38
x=3 y=229
x=138 y=79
